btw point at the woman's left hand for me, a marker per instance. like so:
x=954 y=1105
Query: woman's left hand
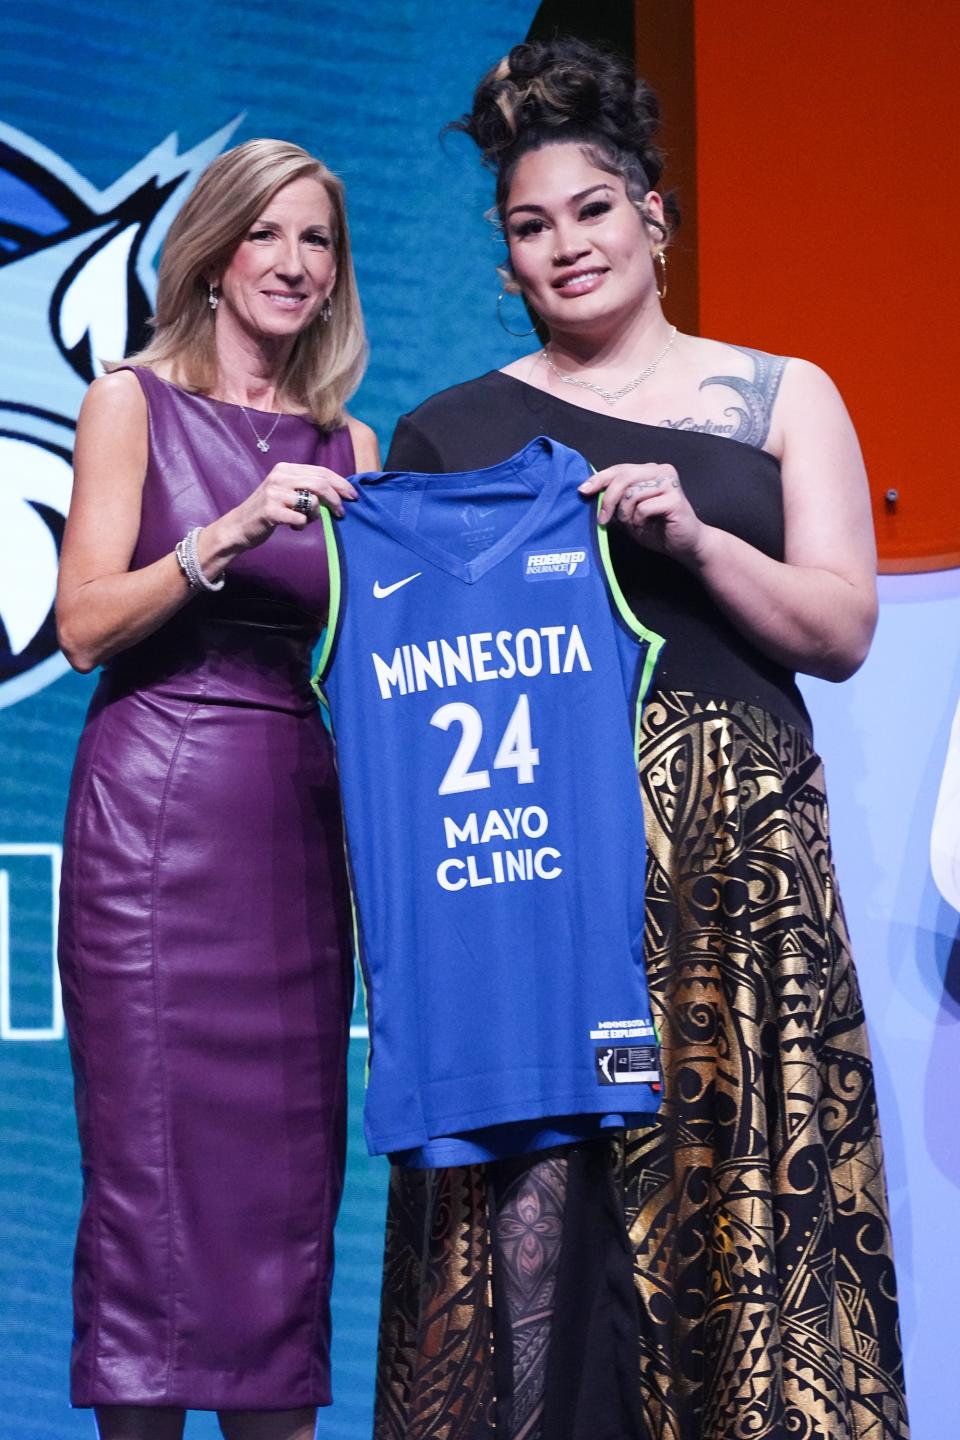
x=649 y=501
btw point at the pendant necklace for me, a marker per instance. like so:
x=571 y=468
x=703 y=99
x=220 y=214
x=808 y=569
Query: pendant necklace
x=262 y=439
x=611 y=396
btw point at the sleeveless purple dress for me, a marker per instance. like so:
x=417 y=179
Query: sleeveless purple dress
x=206 y=960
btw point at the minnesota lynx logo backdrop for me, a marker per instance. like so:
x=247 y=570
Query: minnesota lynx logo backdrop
x=108 y=112
x=76 y=284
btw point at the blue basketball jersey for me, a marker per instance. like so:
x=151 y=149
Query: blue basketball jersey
x=484 y=679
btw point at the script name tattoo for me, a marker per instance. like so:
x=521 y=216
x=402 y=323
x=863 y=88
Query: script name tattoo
x=703 y=427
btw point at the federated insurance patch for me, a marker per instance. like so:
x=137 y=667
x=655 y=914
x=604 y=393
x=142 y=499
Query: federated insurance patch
x=627 y=1065
x=555 y=564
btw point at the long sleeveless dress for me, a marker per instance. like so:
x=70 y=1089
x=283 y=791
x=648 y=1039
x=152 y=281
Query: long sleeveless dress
x=205 y=958
x=763 y=1295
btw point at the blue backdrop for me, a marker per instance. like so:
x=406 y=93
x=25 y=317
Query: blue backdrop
x=108 y=112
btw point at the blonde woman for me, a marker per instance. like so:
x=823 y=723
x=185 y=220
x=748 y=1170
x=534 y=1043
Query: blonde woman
x=204 y=945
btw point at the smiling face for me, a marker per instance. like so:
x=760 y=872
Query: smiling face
x=580 y=250
x=283 y=269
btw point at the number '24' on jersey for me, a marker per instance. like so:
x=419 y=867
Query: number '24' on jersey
x=484 y=677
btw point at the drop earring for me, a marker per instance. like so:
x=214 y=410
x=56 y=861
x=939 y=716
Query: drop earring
x=661 y=258
x=213 y=297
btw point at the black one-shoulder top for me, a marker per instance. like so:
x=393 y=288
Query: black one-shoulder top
x=733 y=486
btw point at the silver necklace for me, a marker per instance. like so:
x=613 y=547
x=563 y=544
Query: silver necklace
x=611 y=396
x=262 y=439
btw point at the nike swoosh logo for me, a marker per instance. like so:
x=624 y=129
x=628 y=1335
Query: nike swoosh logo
x=380 y=592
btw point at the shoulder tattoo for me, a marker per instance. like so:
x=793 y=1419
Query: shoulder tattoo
x=750 y=422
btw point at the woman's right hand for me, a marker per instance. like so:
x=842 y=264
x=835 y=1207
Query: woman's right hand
x=274 y=503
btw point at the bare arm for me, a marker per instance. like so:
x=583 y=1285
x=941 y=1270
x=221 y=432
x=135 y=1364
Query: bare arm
x=815 y=611
x=103 y=606
x=366 y=447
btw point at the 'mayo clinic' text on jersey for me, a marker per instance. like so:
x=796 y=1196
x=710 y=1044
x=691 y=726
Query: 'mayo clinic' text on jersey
x=484 y=678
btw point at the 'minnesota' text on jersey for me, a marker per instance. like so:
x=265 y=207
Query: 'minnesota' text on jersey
x=484 y=679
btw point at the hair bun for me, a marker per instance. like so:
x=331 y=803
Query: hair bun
x=546 y=91
x=549 y=84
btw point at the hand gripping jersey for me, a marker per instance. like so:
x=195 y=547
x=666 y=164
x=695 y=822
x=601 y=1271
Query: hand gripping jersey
x=484 y=679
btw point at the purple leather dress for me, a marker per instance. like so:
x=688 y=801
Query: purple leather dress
x=205 y=958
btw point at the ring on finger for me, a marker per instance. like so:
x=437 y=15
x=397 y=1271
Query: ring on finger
x=304 y=503
x=674 y=483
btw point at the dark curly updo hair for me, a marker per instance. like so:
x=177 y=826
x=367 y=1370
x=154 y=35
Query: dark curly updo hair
x=550 y=91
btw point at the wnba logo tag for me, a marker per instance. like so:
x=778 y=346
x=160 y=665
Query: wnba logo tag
x=76 y=286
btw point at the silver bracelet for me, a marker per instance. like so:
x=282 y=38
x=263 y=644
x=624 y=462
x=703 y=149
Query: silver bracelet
x=189 y=562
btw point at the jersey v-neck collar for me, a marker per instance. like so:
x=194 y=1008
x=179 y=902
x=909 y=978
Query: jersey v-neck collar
x=531 y=465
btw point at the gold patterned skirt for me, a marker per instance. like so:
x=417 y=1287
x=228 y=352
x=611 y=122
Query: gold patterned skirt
x=755 y=1205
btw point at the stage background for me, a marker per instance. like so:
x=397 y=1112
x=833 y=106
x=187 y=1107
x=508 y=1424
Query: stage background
x=88 y=182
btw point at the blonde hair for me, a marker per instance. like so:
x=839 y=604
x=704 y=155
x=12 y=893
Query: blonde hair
x=328 y=359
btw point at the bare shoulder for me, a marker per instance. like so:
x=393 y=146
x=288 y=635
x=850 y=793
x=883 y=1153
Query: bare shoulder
x=717 y=357
x=112 y=437
x=366 y=446
x=810 y=408
x=359 y=429
x=118 y=396
x=520 y=369
x=790 y=374
x=806 y=383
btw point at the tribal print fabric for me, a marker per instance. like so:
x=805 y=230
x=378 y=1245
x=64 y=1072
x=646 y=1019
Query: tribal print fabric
x=755 y=1203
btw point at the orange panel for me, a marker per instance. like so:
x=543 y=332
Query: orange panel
x=665 y=57
x=829 y=220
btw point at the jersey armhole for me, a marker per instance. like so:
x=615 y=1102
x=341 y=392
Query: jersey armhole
x=649 y=638
x=336 y=602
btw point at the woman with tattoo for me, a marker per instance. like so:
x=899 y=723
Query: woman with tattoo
x=727 y=1270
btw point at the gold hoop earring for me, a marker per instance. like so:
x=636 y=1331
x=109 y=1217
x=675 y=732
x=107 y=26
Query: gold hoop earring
x=503 y=324
x=661 y=283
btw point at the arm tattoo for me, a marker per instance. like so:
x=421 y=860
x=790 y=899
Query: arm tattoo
x=750 y=422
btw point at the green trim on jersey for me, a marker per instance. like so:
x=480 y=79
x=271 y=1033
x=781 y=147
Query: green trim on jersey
x=333 y=609
x=358 y=964
x=323 y=660
x=654 y=642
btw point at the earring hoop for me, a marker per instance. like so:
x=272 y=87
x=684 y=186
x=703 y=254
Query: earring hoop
x=661 y=282
x=213 y=297
x=503 y=324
